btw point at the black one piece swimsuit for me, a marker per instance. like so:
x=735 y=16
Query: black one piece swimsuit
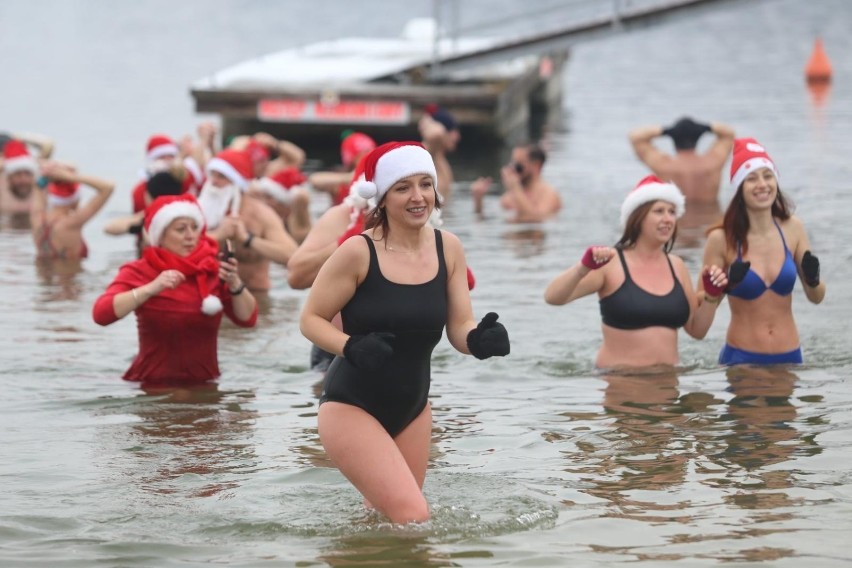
x=416 y=314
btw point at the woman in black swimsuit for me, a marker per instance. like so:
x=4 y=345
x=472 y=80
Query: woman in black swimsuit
x=647 y=295
x=397 y=286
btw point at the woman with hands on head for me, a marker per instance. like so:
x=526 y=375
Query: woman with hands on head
x=179 y=290
x=765 y=248
x=647 y=295
x=397 y=286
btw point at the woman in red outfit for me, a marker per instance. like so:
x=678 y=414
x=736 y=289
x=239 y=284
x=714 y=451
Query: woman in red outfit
x=179 y=290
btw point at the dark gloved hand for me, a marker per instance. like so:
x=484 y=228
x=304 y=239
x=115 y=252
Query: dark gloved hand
x=489 y=338
x=710 y=287
x=810 y=269
x=737 y=271
x=369 y=352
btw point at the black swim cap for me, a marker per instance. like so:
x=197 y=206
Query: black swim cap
x=685 y=133
x=163 y=183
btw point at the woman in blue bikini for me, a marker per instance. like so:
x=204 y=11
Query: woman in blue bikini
x=765 y=248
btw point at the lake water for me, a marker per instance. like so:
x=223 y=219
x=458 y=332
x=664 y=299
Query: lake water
x=537 y=459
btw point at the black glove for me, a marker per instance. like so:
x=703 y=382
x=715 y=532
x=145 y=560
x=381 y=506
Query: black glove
x=489 y=338
x=810 y=268
x=369 y=352
x=737 y=271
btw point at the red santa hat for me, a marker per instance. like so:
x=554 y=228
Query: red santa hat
x=256 y=151
x=16 y=158
x=279 y=186
x=236 y=165
x=353 y=145
x=652 y=188
x=748 y=156
x=160 y=146
x=62 y=193
x=392 y=162
x=165 y=209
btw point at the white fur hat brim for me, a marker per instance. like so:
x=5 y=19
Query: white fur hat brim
x=169 y=213
x=20 y=164
x=653 y=192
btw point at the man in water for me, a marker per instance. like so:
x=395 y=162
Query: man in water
x=19 y=170
x=697 y=175
x=526 y=195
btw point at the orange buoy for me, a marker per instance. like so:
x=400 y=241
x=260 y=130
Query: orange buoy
x=818 y=69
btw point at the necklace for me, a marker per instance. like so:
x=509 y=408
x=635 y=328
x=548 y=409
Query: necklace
x=404 y=251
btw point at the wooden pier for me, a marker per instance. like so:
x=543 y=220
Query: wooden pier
x=493 y=86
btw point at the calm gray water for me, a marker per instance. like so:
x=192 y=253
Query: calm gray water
x=537 y=459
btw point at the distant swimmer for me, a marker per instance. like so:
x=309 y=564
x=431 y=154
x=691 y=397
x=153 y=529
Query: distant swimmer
x=19 y=170
x=162 y=154
x=440 y=135
x=647 y=295
x=232 y=213
x=765 y=249
x=353 y=147
x=58 y=215
x=526 y=195
x=179 y=291
x=397 y=285
x=697 y=175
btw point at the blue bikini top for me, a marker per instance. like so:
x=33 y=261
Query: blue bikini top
x=753 y=286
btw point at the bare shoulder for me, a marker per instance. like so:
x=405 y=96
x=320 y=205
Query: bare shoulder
x=452 y=244
x=715 y=239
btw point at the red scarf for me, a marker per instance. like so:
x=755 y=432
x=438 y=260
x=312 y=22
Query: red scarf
x=201 y=264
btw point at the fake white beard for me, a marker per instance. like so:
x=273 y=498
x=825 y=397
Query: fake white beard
x=216 y=201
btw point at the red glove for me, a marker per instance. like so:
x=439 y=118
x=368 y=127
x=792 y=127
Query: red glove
x=589 y=261
x=709 y=287
x=471 y=281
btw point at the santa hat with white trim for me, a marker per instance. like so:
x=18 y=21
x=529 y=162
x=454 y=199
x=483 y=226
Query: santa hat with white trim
x=62 y=193
x=160 y=146
x=652 y=188
x=16 y=158
x=159 y=214
x=748 y=156
x=165 y=209
x=391 y=162
x=236 y=165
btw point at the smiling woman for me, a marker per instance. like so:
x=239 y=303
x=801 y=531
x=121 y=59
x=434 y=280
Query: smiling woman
x=178 y=290
x=395 y=299
x=762 y=241
x=645 y=297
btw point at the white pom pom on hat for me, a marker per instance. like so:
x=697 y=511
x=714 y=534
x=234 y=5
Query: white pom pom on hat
x=652 y=188
x=391 y=162
x=211 y=305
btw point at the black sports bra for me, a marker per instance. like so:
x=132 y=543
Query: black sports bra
x=631 y=307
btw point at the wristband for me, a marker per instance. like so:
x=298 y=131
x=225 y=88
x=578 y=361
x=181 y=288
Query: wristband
x=238 y=291
x=712 y=299
x=247 y=242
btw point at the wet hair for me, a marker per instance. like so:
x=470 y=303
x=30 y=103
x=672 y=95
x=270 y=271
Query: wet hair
x=535 y=153
x=633 y=227
x=735 y=223
x=163 y=183
x=685 y=133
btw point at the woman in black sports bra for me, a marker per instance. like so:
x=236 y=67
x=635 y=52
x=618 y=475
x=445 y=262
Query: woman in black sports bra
x=396 y=286
x=647 y=295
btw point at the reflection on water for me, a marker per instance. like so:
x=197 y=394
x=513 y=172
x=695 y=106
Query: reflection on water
x=525 y=242
x=194 y=440
x=58 y=279
x=384 y=550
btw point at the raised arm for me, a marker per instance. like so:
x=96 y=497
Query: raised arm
x=724 y=143
x=642 y=141
x=318 y=246
x=582 y=279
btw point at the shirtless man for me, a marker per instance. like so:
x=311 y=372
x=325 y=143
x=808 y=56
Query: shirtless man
x=525 y=193
x=697 y=175
x=255 y=230
x=440 y=133
x=19 y=171
x=353 y=147
x=57 y=217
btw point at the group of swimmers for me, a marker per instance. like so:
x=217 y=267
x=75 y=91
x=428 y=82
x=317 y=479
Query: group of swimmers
x=385 y=281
